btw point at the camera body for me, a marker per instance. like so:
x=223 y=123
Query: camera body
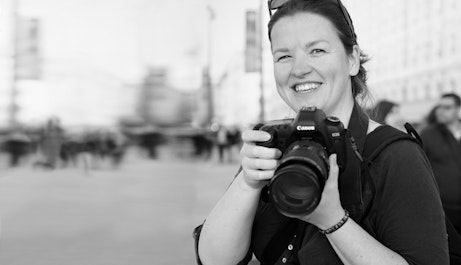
x=306 y=143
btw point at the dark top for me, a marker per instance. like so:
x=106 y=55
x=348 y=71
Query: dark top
x=444 y=153
x=406 y=213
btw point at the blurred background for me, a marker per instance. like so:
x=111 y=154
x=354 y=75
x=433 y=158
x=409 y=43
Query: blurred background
x=120 y=120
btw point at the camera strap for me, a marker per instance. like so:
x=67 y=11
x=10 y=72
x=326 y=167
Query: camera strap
x=350 y=181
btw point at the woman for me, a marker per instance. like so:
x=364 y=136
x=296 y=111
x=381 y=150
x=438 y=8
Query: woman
x=317 y=62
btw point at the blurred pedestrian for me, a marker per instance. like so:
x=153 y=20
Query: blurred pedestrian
x=442 y=143
x=203 y=144
x=430 y=119
x=234 y=140
x=51 y=141
x=222 y=141
x=116 y=143
x=17 y=145
x=149 y=139
x=388 y=112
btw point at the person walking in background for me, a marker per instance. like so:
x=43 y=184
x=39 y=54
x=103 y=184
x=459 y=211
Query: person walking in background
x=17 y=145
x=442 y=143
x=51 y=142
x=222 y=142
x=234 y=140
x=388 y=112
x=430 y=119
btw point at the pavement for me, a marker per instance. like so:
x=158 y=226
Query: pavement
x=142 y=213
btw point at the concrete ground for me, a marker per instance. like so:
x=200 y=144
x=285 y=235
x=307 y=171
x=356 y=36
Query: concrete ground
x=143 y=213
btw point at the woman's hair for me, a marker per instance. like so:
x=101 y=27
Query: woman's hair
x=331 y=11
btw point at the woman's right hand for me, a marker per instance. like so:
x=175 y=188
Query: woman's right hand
x=258 y=162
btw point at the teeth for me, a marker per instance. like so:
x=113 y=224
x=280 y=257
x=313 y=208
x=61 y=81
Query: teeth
x=307 y=87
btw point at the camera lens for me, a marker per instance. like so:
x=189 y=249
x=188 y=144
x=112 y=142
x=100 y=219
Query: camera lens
x=298 y=182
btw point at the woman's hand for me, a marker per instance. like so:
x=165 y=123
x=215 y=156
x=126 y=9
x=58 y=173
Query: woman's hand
x=258 y=162
x=329 y=211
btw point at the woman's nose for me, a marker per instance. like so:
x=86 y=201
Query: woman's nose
x=301 y=66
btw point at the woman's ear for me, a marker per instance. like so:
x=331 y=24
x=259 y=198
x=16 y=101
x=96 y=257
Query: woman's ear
x=354 y=61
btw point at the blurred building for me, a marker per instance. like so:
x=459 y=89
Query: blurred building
x=162 y=105
x=415 y=49
x=236 y=95
x=74 y=67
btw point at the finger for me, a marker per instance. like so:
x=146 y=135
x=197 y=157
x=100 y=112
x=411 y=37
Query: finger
x=255 y=136
x=334 y=172
x=254 y=151
x=259 y=174
x=264 y=164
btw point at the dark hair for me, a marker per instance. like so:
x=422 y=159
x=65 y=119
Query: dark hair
x=382 y=109
x=454 y=96
x=331 y=11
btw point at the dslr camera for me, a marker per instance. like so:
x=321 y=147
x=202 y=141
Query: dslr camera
x=306 y=143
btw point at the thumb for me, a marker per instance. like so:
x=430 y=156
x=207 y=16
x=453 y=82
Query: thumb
x=334 y=172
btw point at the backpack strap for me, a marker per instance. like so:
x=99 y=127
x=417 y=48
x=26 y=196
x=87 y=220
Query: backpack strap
x=375 y=143
x=385 y=135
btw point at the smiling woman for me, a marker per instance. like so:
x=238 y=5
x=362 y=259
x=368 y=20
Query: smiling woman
x=318 y=63
x=312 y=69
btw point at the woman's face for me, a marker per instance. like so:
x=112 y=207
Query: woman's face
x=311 y=66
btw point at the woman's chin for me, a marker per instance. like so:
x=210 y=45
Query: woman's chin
x=308 y=103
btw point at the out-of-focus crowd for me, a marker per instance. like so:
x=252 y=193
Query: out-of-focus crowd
x=51 y=146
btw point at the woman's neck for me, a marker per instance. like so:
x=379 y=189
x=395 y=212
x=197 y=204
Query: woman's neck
x=343 y=111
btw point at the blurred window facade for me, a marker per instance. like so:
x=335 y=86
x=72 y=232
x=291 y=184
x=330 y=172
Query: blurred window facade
x=413 y=45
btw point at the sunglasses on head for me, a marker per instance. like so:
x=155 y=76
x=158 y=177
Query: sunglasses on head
x=276 y=4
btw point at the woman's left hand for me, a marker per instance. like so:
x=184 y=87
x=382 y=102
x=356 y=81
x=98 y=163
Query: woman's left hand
x=329 y=211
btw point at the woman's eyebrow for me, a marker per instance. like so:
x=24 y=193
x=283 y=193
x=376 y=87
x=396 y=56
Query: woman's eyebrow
x=280 y=50
x=307 y=46
x=313 y=43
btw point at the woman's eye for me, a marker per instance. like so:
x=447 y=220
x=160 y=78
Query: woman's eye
x=317 y=51
x=282 y=58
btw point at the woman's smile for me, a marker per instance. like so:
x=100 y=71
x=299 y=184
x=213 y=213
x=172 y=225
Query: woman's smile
x=306 y=87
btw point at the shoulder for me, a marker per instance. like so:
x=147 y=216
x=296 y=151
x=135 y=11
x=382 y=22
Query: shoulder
x=401 y=164
x=383 y=139
x=391 y=150
x=401 y=150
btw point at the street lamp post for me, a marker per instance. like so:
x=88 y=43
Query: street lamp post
x=13 y=108
x=259 y=32
x=208 y=82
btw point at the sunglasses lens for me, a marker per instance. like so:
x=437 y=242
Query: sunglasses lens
x=274 y=4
